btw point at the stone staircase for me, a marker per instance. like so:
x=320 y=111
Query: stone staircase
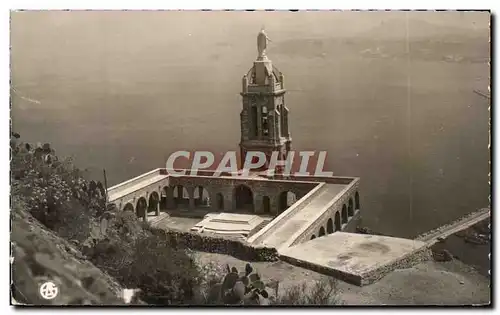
x=292 y=224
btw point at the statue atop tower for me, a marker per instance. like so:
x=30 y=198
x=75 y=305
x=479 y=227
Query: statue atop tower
x=262 y=40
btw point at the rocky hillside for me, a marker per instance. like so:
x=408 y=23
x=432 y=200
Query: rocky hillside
x=39 y=255
x=62 y=231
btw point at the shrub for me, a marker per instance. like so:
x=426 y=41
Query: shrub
x=323 y=292
x=53 y=189
x=165 y=275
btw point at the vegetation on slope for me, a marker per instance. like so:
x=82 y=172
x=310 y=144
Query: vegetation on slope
x=55 y=192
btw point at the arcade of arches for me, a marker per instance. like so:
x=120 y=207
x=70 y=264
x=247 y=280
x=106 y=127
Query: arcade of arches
x=242 y=199
x=340 y=217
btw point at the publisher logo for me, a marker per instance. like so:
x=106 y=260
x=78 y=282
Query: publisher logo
x=48 y=290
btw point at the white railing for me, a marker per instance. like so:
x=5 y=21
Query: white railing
x=131 y=182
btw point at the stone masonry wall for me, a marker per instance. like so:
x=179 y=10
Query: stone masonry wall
x=260 y=188
x=374 y=275
x=218 y=244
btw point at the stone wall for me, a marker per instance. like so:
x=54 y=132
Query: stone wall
x=411 y=259
x=225 y=186
x=407 y=261
x=218 y=244
x=349 y=278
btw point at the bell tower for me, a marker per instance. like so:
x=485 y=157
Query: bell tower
x=264 y=117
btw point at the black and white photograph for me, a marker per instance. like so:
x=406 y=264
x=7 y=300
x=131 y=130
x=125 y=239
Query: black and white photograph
x=253 y=158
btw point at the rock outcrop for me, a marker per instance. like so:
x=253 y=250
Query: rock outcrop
x=39 y=255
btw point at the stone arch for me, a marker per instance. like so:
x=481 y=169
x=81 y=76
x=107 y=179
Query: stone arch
x=180 y=195
x=338 y=223
x=141 y=208
x=264 y=121
x=329 y=226
x=350 y=209
x=321 y=232
x=313 y=237
x=356 y=200
x=344 y=214
x=243 y=198
x=266 y=204
x=201 y=197
x=220 y=201
x=129 y=207
x=153 y=202
x=286 y=199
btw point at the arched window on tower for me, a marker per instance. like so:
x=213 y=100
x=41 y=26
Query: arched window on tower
x=254 y=118
x=265 y=123
x=284 y=122
x=277 y=115
x=280 y=110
